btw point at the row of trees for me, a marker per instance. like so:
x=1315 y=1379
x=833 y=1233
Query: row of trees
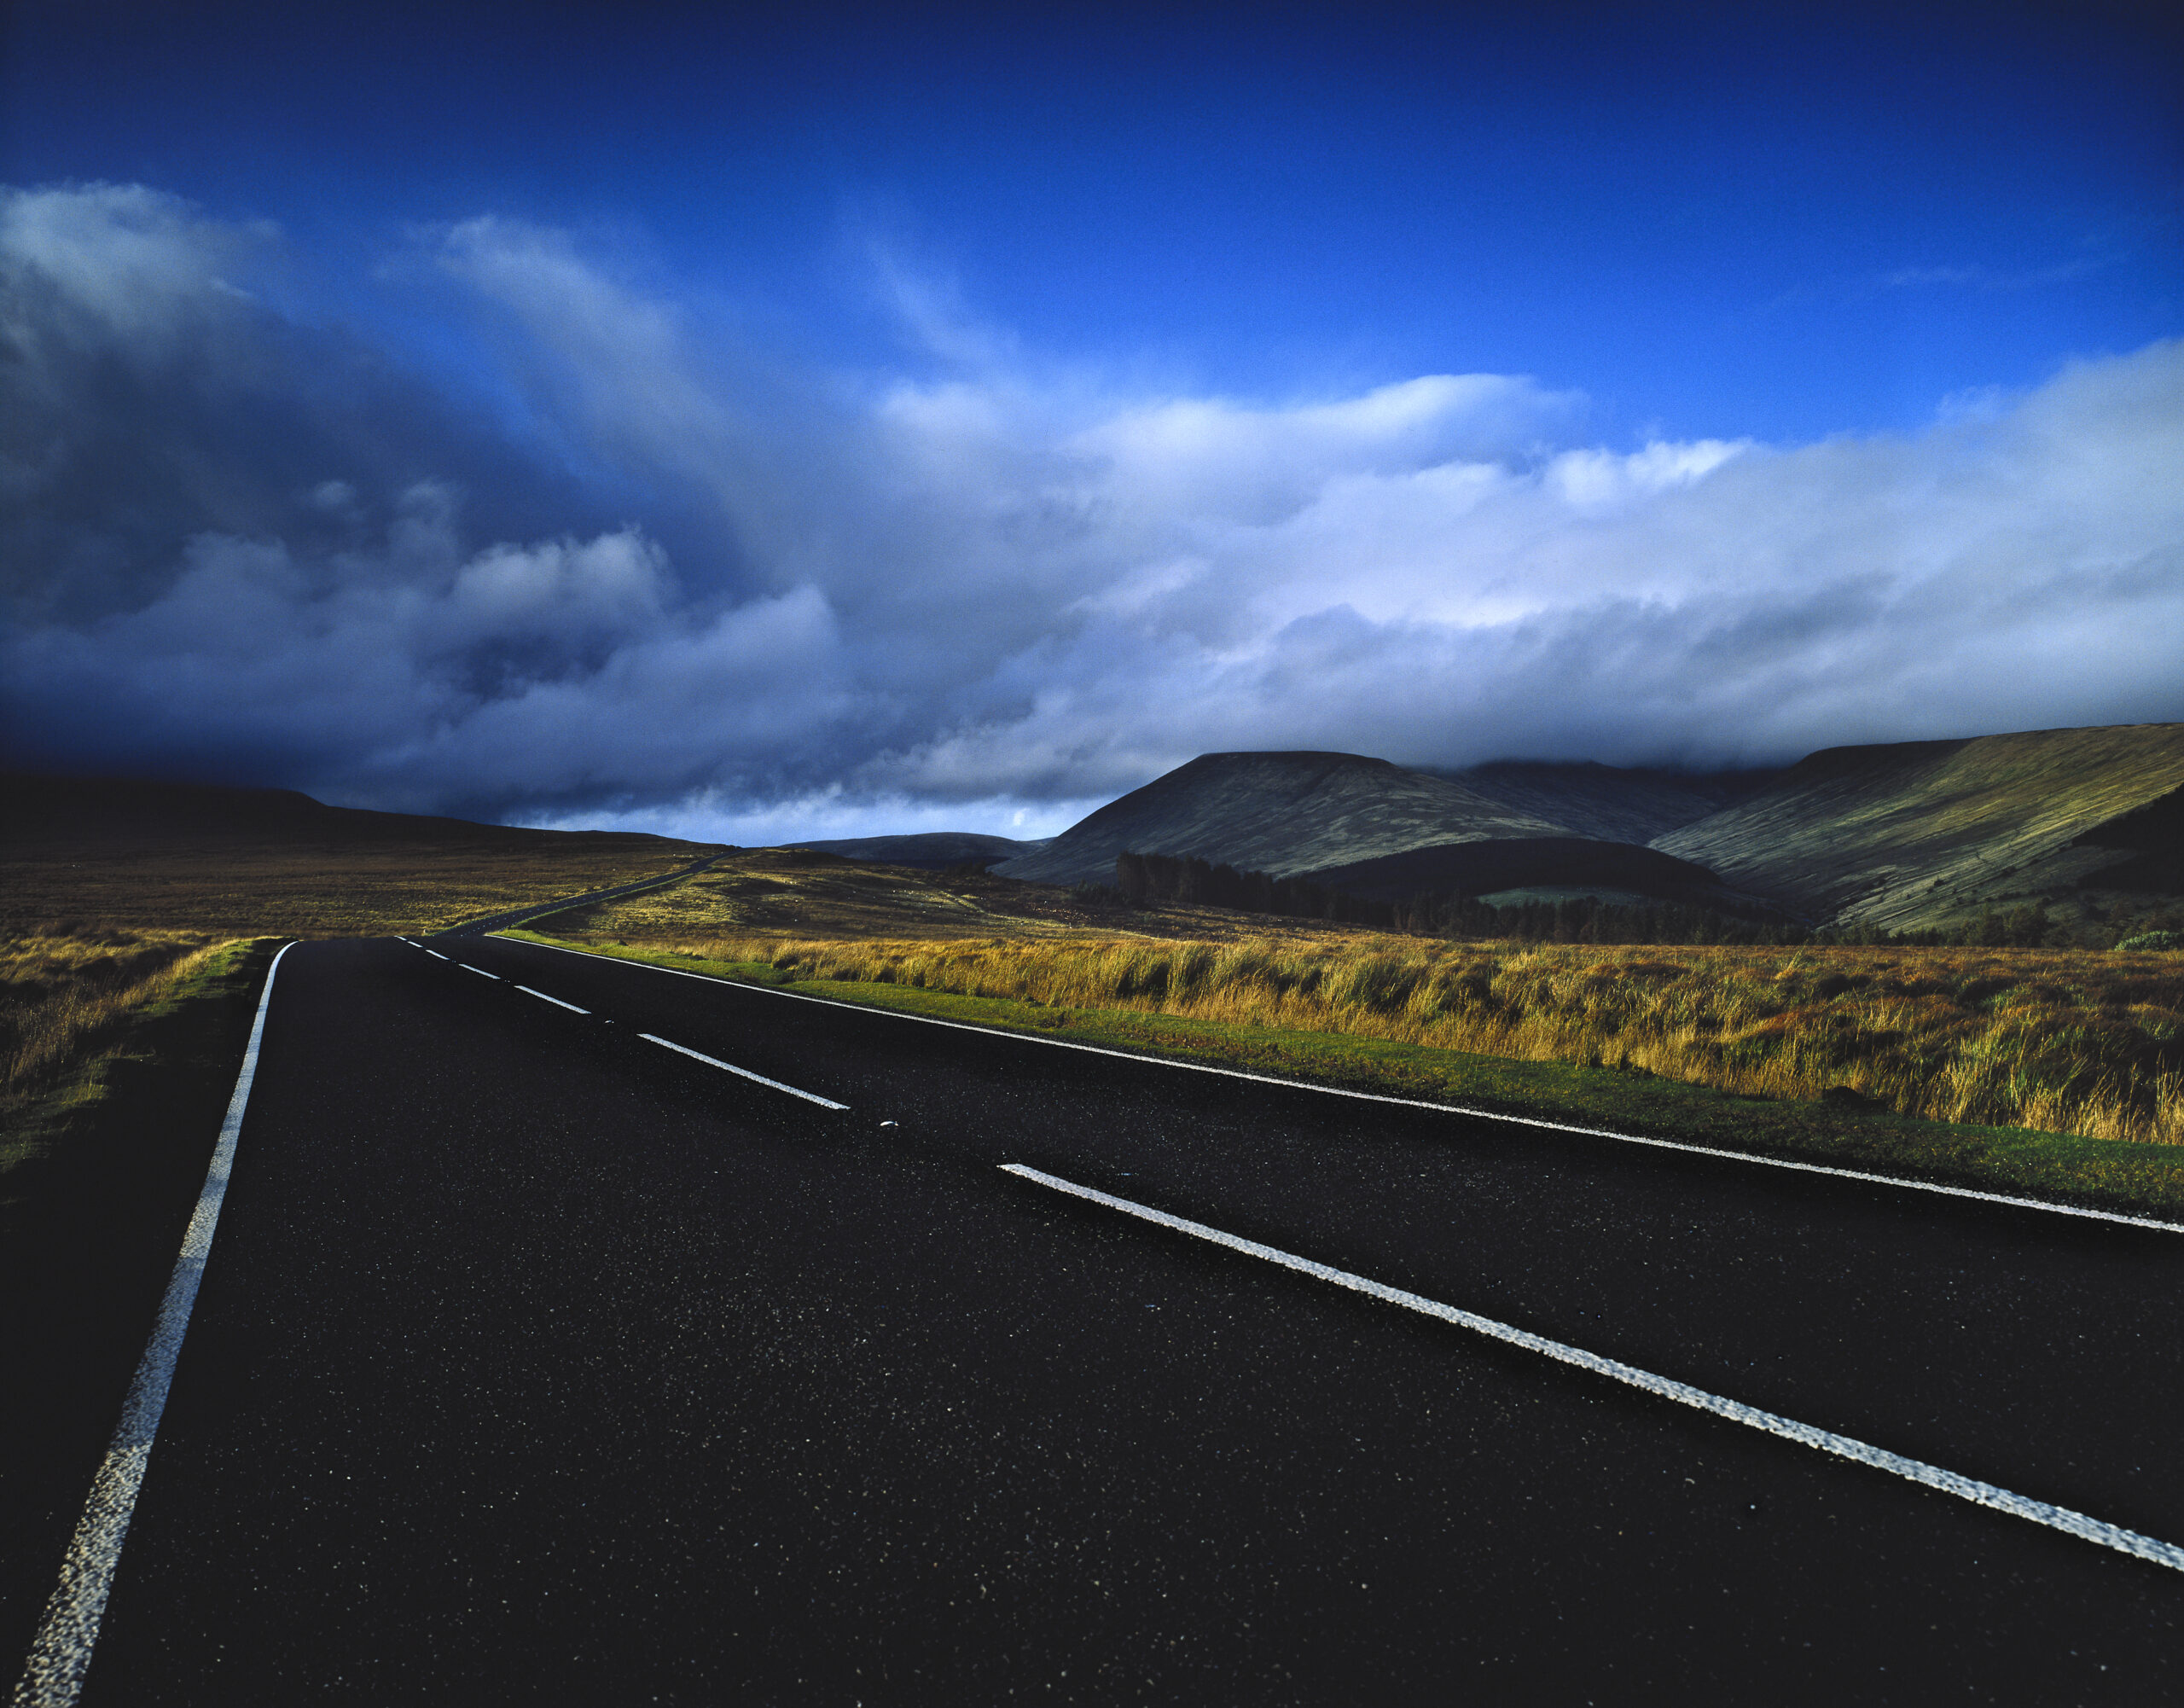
x=1587 y=919
x=1142 y=878
x=2027 y=926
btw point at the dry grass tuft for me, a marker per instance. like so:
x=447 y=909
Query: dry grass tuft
x=63 y=992
x=2063 y=1040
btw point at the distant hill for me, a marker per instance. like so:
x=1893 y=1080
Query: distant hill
x=99 y=854
x=1910 y=836
x=112 y=812
x=933 y=850
x=1919 y=833
x=1280 y=813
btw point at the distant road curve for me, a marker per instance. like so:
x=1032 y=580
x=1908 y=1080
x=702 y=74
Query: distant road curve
x=502 y=921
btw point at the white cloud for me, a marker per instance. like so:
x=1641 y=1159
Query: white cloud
x=1004 y=590
x=108 y=260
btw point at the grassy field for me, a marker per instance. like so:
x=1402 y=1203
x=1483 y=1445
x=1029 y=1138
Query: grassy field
x=2087 y=1043
x=2083 y=1043
x=794 y=891
x=1948 y=1059
x=58 y=991
x=2109 y=1173
x=302 y=891
x=90 y=857
x=2050 y=1070
x=73 y=1007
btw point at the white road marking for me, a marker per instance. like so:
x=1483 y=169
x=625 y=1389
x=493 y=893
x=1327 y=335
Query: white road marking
x=1843 y=1446
x=730 y=1067
x=555 y=1001
x=1418 y=1103
x=434 y=953
x=483 y=974
x=62 y=1652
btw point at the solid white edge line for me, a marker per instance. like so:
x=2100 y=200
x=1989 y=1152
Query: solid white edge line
x=555 y=1001
x=480 y=972
x=61 y=1653
x=1416 y=1103
x=1826 y=1441
x=730 y=1067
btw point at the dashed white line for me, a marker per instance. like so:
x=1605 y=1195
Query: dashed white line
x=555 y=1001
x=2008 y=1199
x=61 y=1653
x=730 y=1067
x=1826 y=1441
x=435 y=954
x=483 y=974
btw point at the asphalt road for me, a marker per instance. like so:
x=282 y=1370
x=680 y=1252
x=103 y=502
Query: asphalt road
x=537 y=1361
x=515 y=916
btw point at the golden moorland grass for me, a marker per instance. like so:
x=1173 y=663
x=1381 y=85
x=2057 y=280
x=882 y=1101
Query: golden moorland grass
x=790 y=891
x=2084 y=1043
x=62 y=997
x=300 y=890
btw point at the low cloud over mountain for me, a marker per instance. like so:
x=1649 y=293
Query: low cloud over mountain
x=632 y=563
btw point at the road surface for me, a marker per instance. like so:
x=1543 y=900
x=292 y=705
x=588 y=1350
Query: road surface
x=539 y=1358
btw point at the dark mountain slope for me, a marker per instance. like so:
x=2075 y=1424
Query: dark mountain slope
x=1280 y=813
x=1609 y=803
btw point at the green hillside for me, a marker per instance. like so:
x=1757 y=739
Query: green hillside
x=1279 y=813
x=1928 y=833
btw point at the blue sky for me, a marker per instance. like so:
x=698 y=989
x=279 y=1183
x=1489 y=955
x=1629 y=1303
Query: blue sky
x=945 y=416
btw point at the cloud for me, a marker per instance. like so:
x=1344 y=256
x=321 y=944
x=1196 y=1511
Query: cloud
x=689 y=582
x=153 y=390
x=1983 y=278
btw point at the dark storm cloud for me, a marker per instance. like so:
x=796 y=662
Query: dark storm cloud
x=697 y=587
x=151 y=395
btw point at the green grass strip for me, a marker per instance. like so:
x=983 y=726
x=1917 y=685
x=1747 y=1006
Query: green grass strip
x=2107 y=1174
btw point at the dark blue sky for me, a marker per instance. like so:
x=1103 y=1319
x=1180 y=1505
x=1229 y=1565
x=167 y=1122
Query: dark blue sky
x=1722 y=220
x=1043 y=396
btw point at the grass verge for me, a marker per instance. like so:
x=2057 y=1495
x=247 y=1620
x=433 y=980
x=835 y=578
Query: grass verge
x=78 y=1038
x=2104 y=1173
x=2072 y=1042
x=104 y=1166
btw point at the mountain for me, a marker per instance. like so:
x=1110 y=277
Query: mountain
x=931 y=850
x=1610 y=870
x=1918 y=834
x=1608 y=803
x=1280 y=813
x=1906 y=835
